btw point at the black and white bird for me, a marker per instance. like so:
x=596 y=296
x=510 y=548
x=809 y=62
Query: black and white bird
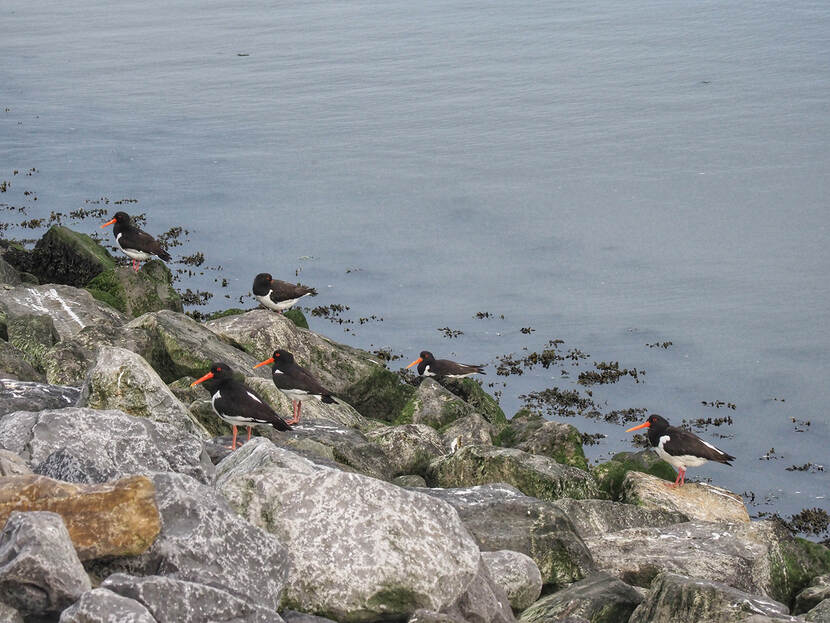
x=295 y=381
x=235 y=403
x=680 y=447
x=136 y=244
x=279 y=295
x=428 y=365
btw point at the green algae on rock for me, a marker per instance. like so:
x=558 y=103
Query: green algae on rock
x=532 y=433
x=610 y=475
x=471 y=392
x=68 y=257
x=136 y=293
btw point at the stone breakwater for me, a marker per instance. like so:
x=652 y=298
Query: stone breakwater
x=120 y=501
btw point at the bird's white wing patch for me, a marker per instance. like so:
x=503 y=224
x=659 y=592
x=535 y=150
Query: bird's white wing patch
x=278 y=371
x=709 y=445
x=254 y=397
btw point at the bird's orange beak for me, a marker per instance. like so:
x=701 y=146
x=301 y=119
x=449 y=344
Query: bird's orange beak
x=264 y=363
x=414 y=363
x=108 y=223
x=207 y=376
x=643 y=425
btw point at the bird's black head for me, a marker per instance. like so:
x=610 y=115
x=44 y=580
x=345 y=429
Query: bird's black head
x=218 y=374
x=121 y=219
x=262 y=284
x=283 y=357
x=656 y=425
x=427 y=356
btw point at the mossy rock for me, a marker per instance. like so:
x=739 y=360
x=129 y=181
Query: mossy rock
x=380 y=396
x=136 y=293
x=610 y=475
x=471 y=392
x=297 y=317
x=793 y=565
x=8 y=274
x=233 y=311
x=33 y=335
x=68 y=257
x=532 y=433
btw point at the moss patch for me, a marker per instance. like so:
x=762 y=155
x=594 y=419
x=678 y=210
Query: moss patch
x=794 y=565
x=297 y=317
x=473 y=393
x=69 y=257
x=380 y=396
x=609 y=475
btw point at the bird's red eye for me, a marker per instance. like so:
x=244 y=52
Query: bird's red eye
x=218 y=369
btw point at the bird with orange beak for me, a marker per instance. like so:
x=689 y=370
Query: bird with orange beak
x=136 y=244
x=295 y=381
x=428 y=365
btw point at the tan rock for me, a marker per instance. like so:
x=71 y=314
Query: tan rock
x=698 y=501
x=118 y=518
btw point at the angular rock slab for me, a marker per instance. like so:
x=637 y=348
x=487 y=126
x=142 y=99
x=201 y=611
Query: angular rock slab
x=70 y=309
x=689 y=600
x=435 y=405
x=697 y=501
x=40 y=573
x=810 y=597
x=101 y=605
x=409 y=448
x=517 y=574
x=111 y=443
x=819 y=614
x=203 y=541
x=31 y=396
x=537 y=476
x=484 y=600
x=501 y=517
x=12 y=464
x=13 y=365
x=470 y=430
x=9 y=614
x=562 y=442
x=113 y=519
x=600 y=598
x=595 y=517
x=173 y=601
x=136 y=293
x=361 y=549
x=122 y=380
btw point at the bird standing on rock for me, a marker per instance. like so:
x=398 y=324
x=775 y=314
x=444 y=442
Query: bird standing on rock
x=295 y=381
x=136 y=244
x=279 y=295
x=235 y=403
x=428 y=365
x=680 y=447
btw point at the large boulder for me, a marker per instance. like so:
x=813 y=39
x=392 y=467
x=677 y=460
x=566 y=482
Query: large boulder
x=122 y=380
x=501 y=517
x=434 y=406
x=697 y=501
x=109 y=443
x=471 y=430
x=12 y=464
x=101 y=605
x=15 y=366
x=810 y=597
x=40 y=573
x=135 y=293
x=471 y=392
x=534 y=475
x=184 y=347
x=600 y=598
x=517 y=574
x=593 y=517
x=8 y=274
x=68 y=257
x=118 y=518
x=819 y=614
x=531 y=433
x=32 y=335
x=362 y=549
x=483 y=600
x=203 y=541
x=172 y=601
x=32 y=396
x=691 y=600
x=409 y=448
x=610 y=475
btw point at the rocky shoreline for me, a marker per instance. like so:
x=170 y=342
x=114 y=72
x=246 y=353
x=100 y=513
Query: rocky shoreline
x=404 y=500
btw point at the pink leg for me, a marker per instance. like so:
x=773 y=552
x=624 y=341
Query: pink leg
x=233 y=444
x=296 y=416
x=676 y=480
x=249 y=434
x=682 y=477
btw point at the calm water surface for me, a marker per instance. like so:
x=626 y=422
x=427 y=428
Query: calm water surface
x=611 y=175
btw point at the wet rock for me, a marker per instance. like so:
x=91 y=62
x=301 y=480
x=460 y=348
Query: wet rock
x=13 y=364
x=471 y=392
x=8 y=274
x=610 y=475
x=501 y=517
x=434 y=406
x=593 y=517
x=380 y=396
x=68 y=257
x=135 y=293
x=32 y=396
x=697 y=501
x=533 y=475
x=122 y=380
x=117 y=518
x=409 y=448
x=531 y=433
x=600 y=598
x=12 y=464
x=471 y=430
x=203 y=541
x=184 y=347
x=810 y=597
x=39 y=570
x=101 y=605
x=113 y=443
x=819 y=614
x=362 y=549
x=409 y=480
x=690 y=600
x=517 y=574
x=172 y=601
x=484 y=600
x=33 y=335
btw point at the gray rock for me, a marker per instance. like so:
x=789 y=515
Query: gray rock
x=430 y=616
x=172 y=601
x=203 y=541
x=40 y=573
x=600 y=598
x=135 y=293
x=66 y=256
x=500 y=517
x=63 y=465
x=122 y=380
x=409 y=448
x=473 y=430
x=33 y=335
x=562 y=442
x=13 y=365
x=8 y=275
x=113 y=443
x=409 y=480
x=472 y=392
x=534 y=475
x=594 y=517
x=32 y=396
x=436 y=406
x=484 y=600
x=101 y=605
x=810 y=597
x=361 y=548
x=517 y=574
x=12 y=464
x=690 y=600
x=819 y=614
x=292 y=616
x=9 y=614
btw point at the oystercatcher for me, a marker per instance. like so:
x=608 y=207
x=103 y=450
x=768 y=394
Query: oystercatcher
x=428 y=365
x=136 y=244
x=235 y=403
x=279 y=295
x=295 y=381
x=680 y=447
